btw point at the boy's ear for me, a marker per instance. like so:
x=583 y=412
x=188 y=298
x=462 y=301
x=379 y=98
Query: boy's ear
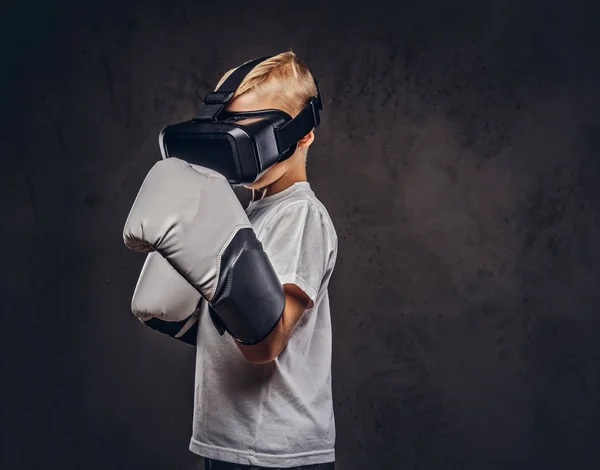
x=307 y=140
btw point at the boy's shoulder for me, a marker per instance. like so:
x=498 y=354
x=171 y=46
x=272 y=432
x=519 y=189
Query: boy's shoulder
x=303 y=199
x=298 y=202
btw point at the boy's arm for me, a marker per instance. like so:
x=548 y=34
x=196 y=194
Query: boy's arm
x=299 y=247
x=296 y=303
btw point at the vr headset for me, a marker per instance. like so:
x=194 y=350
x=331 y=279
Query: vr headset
x=243 y=145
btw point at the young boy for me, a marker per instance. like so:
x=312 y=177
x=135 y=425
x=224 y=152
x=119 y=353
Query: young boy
x=270 y=405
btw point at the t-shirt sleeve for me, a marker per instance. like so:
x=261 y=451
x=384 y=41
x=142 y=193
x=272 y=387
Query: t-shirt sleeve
x=299 y=247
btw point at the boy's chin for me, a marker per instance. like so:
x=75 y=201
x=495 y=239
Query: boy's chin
x=272 y=175
x=266 y=180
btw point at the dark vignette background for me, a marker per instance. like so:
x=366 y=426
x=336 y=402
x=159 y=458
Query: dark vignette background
x=458 y=157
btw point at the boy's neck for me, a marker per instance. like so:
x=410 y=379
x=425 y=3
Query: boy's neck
x=283 y=183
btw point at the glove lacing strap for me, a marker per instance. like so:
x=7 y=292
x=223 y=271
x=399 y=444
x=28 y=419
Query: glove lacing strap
x=189 y=323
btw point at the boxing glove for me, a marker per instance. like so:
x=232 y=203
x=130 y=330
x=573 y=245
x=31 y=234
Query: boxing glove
x=165 y=301
x=192 y=217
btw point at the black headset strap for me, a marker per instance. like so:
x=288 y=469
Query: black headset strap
x=290 y=133
x=215 y=101
x=237 y=76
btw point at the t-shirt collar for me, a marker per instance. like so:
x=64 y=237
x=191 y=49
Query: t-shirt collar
x=280 y=195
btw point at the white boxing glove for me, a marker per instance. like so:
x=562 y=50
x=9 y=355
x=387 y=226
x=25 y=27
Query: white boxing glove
x=192 y=217
x=165 y=301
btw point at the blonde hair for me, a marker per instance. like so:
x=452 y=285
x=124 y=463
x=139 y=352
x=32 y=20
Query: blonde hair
x=285 y=77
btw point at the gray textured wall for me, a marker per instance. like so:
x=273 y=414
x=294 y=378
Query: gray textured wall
x=458 y=157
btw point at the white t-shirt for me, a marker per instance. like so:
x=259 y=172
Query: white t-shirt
x=278 y=414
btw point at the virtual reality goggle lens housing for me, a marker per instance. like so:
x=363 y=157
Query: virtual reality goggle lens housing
x=241 y=146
